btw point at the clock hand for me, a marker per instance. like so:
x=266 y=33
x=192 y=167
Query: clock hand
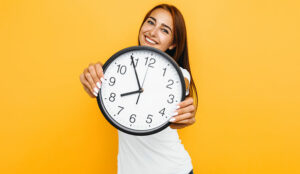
x=142 y=85
x=145 y=76
x=137 y=78
x=133 y=92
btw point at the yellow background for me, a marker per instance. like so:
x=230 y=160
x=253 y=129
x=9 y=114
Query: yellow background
x=245 y=62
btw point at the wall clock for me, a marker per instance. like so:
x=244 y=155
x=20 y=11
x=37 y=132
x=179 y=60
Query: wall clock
x=140 y=90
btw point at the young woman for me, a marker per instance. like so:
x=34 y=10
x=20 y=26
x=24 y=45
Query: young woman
x=162 y=153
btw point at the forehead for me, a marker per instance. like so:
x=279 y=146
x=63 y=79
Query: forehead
x=162 y=16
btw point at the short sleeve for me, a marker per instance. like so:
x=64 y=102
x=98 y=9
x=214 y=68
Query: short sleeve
x=187 y=75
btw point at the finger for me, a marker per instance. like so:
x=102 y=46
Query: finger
x=181 y=117
x=96 y=79
x=189 y=108
x=84 y=81
x=91 y=81
x=99 y=63
x=182 y=125
x=99 y=70
x=87 y=86
x=187 y=101
x=187 y=121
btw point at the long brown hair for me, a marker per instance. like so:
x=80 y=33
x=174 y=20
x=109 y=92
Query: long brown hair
x=180 y=52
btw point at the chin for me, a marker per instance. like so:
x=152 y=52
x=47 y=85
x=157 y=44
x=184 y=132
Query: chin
x=144 y=43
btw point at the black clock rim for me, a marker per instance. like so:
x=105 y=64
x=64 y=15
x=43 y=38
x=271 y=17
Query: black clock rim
x=107 y=115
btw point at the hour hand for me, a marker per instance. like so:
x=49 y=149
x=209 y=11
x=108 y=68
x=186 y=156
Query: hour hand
x=133 y=92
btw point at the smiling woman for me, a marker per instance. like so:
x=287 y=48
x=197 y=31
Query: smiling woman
x=157 y=30
x=162 y=153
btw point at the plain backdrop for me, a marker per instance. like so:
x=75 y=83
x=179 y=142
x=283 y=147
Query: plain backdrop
x=244 y=58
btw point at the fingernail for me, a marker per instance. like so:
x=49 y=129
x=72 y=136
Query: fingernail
x=175 y=113
x=102 y=79
x=172 y=119
x=98 y=85
x=177 y=107
x=95 y=94
x=96 y=90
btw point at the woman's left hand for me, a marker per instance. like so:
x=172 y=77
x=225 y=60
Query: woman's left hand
x=186 y=114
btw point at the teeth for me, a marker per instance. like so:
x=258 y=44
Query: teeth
x=150 y=40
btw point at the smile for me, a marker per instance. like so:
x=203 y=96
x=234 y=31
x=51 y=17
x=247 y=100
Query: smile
x=150 y=41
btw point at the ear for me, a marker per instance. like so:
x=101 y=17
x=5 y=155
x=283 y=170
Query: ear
x=172 y=46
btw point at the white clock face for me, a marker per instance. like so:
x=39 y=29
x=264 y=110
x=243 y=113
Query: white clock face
x=140 y=98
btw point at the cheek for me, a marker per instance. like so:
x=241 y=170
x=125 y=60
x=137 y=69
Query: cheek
x=145 y=27
x=142 y=31
x=141 y=35
x=166 y=40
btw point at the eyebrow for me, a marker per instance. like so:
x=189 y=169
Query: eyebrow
x=162 y=23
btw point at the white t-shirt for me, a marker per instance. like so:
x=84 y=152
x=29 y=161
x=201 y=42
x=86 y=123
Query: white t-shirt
x=160 y=153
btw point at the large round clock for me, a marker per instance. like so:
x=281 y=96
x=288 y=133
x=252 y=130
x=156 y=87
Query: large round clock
x=140 y=90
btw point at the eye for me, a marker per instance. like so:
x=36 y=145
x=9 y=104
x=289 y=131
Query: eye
x=166 y=31
x=150 y=22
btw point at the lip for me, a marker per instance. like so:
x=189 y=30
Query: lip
x=151 y=40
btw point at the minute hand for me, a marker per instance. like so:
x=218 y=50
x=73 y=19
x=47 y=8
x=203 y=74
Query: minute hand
x=137 y=78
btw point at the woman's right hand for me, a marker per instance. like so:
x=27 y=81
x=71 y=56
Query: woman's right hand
x=91 y=79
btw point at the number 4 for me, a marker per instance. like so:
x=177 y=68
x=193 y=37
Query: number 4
x=162 y=112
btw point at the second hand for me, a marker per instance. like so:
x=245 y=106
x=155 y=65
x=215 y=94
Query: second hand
x=142 y=85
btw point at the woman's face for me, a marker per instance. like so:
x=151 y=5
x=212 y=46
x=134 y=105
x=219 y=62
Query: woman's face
x=157 y=31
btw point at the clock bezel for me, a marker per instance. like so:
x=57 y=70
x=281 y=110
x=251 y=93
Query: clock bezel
x=106 y=114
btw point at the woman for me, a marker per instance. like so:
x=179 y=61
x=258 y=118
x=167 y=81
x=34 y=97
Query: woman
x=162 y=153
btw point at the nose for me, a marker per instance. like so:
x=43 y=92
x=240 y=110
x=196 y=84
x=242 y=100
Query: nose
x=153 y=31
